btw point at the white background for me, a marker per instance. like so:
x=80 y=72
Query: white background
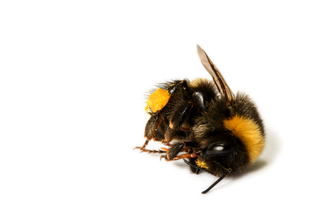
x=74 y=75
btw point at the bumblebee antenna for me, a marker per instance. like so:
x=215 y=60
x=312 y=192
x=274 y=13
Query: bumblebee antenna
x=216 y=182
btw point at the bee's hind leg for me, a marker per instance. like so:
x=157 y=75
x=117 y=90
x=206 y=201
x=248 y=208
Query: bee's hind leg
x=150 y=133
x=143 y=149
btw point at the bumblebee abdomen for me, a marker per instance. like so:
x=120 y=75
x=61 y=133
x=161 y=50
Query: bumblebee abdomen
x=249 y=132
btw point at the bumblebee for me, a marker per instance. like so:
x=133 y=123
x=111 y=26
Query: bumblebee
x=205 y=124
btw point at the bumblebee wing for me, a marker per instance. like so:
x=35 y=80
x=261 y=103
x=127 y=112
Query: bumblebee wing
x=218 y=79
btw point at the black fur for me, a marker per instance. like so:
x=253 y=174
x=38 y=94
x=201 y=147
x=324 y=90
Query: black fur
x=192 y=123
x=202 y=123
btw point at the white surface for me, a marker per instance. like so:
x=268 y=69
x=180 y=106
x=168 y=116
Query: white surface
x=72 y=85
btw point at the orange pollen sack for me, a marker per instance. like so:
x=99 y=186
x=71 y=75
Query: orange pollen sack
x=157 y=100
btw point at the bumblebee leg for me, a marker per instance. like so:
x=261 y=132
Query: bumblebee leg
x=193 y=155
x=181 y=106
x=143 y=149
x=152 y=126
x=150 y=132
x=179 y=115
x=216 y=182
x=169 y=134
x=174 y=151
x=193 y=167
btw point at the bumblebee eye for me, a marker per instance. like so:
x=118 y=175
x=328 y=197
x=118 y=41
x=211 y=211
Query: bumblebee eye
x=199 y=100
x=216 y=149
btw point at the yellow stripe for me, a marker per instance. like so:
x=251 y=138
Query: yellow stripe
x=249 y=133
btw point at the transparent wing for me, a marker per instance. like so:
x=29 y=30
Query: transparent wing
x=218 y=79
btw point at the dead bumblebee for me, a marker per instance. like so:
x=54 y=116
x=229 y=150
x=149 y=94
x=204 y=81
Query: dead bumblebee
x=206 y=123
